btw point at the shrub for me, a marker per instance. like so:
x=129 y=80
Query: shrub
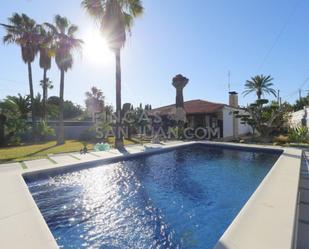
x=16 y=131
x=176 y=133
x=87 y=135
x=44 y=132
x=299 y=134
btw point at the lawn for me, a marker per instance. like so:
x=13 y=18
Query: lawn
x=42 y=150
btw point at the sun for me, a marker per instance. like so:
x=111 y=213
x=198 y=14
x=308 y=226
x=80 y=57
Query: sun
x=96 y=49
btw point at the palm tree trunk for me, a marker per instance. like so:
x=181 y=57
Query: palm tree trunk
x=118 y=135
x=31 y=97
x=60 y=138
x=44 y=93
x=259 y=94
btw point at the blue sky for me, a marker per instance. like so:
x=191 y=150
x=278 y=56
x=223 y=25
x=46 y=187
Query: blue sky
x=202 y=39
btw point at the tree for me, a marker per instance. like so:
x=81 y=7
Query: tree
x=301 y=103
x=116 y=19
x=46 y=84
x=266 y=119
x=15 y=109
x=46 y=51
x=2 y=129
x=70 y=110
x=38 y=105
x=64 y=42
x=21 y=104
x=94 y=101
x=23 y=31
x=260 y=84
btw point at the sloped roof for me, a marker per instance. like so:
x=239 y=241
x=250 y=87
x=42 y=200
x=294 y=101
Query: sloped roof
x=196 y=106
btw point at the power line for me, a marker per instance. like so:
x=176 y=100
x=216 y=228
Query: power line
x=283 y=28
x=298 y=91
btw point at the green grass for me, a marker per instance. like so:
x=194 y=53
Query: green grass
x=42 y=150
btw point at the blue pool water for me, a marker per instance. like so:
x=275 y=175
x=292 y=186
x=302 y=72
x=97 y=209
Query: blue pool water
x=184 y=198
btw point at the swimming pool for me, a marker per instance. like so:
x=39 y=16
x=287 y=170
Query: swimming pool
x=184 y=198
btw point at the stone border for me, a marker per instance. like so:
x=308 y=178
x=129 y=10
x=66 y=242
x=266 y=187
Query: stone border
x=266 y=221
x=269 y=219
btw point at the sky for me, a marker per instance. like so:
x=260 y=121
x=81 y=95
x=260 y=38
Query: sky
x=201 y=39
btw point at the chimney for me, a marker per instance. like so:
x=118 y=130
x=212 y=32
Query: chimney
x=179 y=82
x=233 y=102
x=233 y=99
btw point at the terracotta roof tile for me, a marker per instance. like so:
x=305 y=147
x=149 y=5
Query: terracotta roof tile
x=191 y=107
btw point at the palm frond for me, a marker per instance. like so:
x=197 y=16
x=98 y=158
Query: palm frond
x=72 y=30
x=135 y=7
x=260 y=84
x=246 y=92
x=62 y=23
x=9 y=38
x=52 y=28
x=115 y=16
x=95 y=8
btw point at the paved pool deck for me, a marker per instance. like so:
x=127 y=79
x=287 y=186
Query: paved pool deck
x=272 y=218
x=303 y=225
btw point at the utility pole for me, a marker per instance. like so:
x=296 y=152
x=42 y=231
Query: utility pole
x=278 y=95
x=299 y=94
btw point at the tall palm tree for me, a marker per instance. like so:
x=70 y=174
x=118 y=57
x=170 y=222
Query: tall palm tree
x=260 y=84
x=46 y=52
x=65 y=43
x=116 y=19
x=23 y=31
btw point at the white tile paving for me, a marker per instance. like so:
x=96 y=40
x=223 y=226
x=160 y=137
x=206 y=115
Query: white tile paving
x=10 y=167
x=84 y=157
x=63 y=159
x=39 y=163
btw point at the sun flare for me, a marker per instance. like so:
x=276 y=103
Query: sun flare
x=96 y=48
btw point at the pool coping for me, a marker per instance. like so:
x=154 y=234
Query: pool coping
x=267 y=220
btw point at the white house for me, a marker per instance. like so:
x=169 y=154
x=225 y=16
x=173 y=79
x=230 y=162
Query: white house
x=202 y=113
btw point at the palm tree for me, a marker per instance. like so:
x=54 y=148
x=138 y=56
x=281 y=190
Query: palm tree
x=46 y=84
x=38 y=103
x=23 y=31
x=22 y=105
x=116 y=19
x=65 y=43
x=46 y=52
x=260 y=84
x=94 y=101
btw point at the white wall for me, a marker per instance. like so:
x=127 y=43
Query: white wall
x=295 y=119
x=227 y=122
x=243 y=129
